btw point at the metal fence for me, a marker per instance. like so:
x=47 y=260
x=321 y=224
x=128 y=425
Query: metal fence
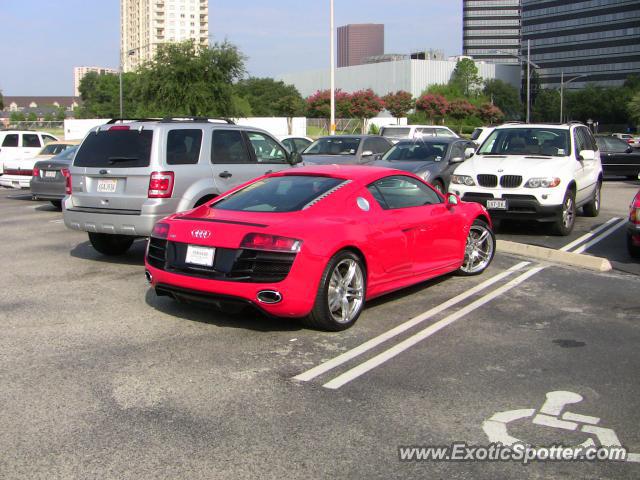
x=35 y=125
x=320 y=126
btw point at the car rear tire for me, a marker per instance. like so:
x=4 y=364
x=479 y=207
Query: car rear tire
x=634 y=250
x=110 y=244
x=592 y=209
x=564 y=226
x=341 y=294
x=57 y=204
x=480 y=249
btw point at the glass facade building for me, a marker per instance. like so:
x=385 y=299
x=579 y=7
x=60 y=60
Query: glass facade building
x=491 y=30
x=596 y=38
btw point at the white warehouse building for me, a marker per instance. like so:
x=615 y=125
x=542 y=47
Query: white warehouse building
x=413 y=76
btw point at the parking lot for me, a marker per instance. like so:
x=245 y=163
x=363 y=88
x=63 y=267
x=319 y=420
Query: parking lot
x=101 y=378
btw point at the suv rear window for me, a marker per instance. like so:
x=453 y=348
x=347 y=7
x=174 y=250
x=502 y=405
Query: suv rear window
x=395 y=132
x=115 y=149
x=278 y=194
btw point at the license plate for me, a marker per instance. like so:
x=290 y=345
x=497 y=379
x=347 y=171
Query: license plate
x=497 y=204
x=107 y=186
x=50 y=173
x=200 y=255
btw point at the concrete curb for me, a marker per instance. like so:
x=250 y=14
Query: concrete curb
x=589 y=262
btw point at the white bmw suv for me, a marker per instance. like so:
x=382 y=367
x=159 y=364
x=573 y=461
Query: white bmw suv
x=534 y=172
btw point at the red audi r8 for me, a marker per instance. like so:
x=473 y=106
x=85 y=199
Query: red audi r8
x=317 y=242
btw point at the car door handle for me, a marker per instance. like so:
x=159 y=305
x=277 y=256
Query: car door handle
x=225 y=174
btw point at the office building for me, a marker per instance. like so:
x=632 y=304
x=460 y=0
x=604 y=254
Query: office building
x=598 y=39
x=491 y=30
x=146 y=24
x=80 y=72
x=357 y=42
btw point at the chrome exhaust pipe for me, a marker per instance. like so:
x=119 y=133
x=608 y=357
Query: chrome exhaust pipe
x=148 y=276
x=269 y=297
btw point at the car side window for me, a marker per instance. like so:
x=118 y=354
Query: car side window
x=616 y=145
x=301 y=144
x=581 y=142
x=228 y=146
x=457 y=150
x=183 y=146
x=289 y=144
x=10 y=140
x=375 y=193
x=588 y=138
x=31 y=140
x=266 y=148
x=48 y=139
x=430 y=132
x=369 y=144
x=380 y=145
x=443 y=132
x=405 y=192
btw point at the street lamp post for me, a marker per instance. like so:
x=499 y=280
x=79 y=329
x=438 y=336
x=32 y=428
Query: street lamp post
x=332 y=119
x=562 y=82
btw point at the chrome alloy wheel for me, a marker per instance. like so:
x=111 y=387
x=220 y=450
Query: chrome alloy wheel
x=346 y=291
x=568 y=212
x=479 y=250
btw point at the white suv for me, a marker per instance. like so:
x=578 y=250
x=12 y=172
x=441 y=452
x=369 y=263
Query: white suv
x=534 y=172
x=395 y=133
x=20 y=144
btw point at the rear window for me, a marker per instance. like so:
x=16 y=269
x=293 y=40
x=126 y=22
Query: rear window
x=53 y=149
x=278 y=194
x=395 y=132
x=115 y=149
x=334 y=146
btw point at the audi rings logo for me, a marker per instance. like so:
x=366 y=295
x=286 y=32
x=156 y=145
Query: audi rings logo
x=202 y=234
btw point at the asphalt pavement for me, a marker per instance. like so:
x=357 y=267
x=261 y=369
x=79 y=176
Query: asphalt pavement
x=102 y=379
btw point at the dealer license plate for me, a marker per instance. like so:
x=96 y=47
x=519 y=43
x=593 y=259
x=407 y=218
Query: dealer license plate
x=107 y=186
x=50 y=173
x=496 y=204
x=197 y=255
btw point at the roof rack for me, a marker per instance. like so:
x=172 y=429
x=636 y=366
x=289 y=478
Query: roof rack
x=198 y=120
x=116 y=120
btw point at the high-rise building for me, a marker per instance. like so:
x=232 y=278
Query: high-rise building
x=80 y=72
x=145 y=24
x=491 y=30
x=598 y=39
x=356 y=42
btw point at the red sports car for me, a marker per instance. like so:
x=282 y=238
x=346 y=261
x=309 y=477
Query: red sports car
x=633 y=228
x=316 y=242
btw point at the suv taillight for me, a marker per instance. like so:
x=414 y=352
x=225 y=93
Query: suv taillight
x=36 y=172
x=161 y=185
x=67 y=180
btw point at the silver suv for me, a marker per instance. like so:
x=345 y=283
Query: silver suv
x=127 y=175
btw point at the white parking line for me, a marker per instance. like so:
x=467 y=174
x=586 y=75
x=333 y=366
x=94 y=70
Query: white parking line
x=379 y=359
x=600 y=237
x=374 y=342
x=589 y=235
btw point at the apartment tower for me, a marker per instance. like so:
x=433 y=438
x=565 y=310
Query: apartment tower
x=491 y=30
x=145 y=24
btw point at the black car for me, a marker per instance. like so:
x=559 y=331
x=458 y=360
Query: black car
x=433 y=159
x=618 y=157
x=346 y=149
x=49 y=179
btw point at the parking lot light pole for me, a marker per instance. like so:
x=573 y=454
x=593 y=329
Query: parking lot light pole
x=332 y=119
x=562 y=83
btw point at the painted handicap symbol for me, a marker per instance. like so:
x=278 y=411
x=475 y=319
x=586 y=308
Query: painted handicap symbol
x=551 y=415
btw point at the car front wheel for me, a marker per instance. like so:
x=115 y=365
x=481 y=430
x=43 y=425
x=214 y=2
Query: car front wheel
x=110 y=244
x=341 y=294
x=480 y=249
x=564 y=225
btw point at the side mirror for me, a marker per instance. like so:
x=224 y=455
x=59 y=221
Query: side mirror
x=469 y=152
x=367 y=153
x=587 y=155
x=295 y=158
x=452 y=199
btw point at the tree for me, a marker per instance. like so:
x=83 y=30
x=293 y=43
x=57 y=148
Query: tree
x=32 y=117
x=364 y=104
x=461 y=109
x=184 y=79
x=434 y=106
x=319 y=104
x=61 y=114
x=465 y=77
x=290 y=106
x=399 y=103
x=48 y=117
x=547 y=106
x=1 y=101
x=265 y=96
x=100 y=95
x=490 y=113
x=17 y=117
x=505 y=96
x=634 y=108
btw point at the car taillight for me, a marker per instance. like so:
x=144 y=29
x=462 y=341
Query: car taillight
x=262 y=241
x=161 y=185
x=634 y=214
x=36 y=172
x=160 y=230
x=67 y=180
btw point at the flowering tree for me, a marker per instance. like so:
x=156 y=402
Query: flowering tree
x=433 y=105
x=490 y=113
x=319 y=104
x=399 y=103
x=364 y=104
x=461 y=109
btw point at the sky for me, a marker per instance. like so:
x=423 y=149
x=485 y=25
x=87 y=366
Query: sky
x=42 y=40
